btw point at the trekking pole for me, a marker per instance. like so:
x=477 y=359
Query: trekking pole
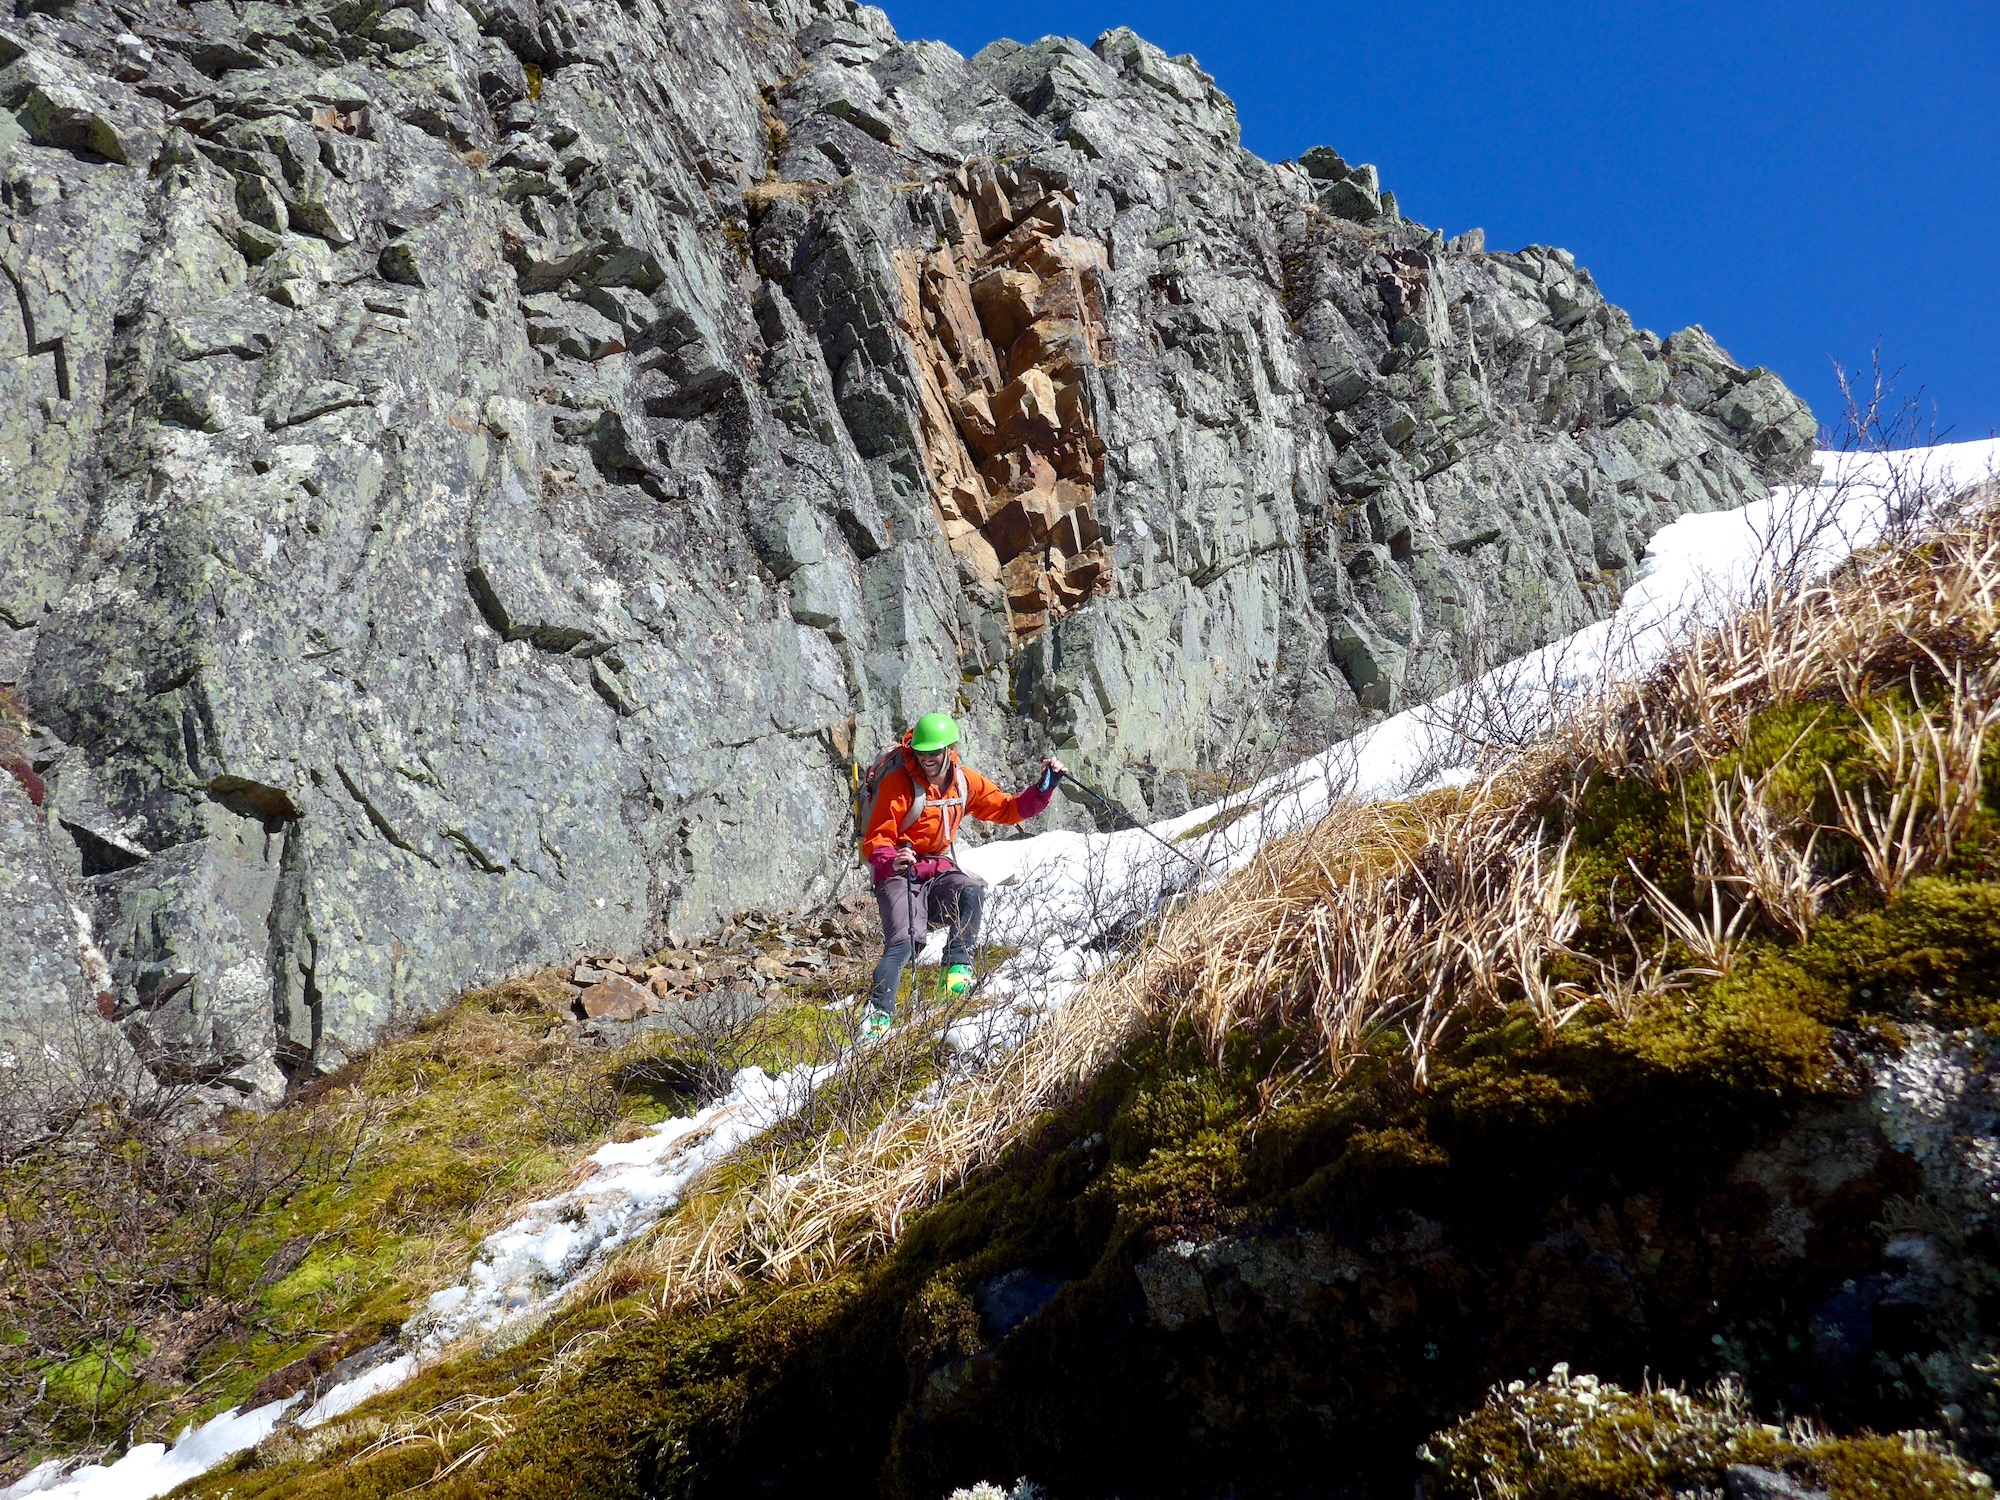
x=1106 y=802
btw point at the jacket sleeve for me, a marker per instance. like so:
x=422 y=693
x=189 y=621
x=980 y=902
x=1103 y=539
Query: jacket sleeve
x=1031 y=802
x=986 y=802
x=878 y=842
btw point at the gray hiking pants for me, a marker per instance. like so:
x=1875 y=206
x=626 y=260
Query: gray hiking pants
x=908 y=907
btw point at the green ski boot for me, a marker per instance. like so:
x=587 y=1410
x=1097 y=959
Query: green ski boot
x=874 y=1024
x=958 y=981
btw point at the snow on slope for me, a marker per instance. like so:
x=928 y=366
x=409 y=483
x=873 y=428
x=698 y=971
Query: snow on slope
x=1057 y=895
x=153 y=1468
x=1694 y=568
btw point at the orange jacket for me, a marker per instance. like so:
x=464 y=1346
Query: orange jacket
x=932 y=832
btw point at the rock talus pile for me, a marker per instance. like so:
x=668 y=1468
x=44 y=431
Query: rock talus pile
x=476 y=470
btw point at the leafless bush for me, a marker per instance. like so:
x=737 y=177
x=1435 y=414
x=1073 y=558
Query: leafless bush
x=1476 y=727
x=577 y=1106
x=1875 y=420
x=63 y=1070
x=123 y=1242
x=715 y=1034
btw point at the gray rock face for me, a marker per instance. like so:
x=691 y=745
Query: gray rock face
x=57 y=1048
x=477 y=470
x=38 y=937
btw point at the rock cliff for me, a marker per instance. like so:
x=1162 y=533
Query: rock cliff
x=476 y=471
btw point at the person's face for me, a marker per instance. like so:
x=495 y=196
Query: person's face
x=932 y=763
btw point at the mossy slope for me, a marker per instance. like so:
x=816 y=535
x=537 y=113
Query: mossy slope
x=242 y=1264
x=1709 y=1012
x=1187 y=1283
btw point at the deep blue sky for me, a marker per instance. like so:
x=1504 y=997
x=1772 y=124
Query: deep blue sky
x=1802 y=179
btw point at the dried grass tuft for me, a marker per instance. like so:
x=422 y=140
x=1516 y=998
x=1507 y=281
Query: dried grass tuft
x=1930 y=762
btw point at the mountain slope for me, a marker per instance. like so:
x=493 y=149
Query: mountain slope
x=480 y=468
x=1664 y=1051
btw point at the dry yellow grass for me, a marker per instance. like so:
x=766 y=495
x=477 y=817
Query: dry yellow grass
x=1406 y=918
x=762 y=194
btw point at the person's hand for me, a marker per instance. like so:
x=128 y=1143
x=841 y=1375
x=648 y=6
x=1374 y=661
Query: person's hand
x=905 y=862
x=1050 y=763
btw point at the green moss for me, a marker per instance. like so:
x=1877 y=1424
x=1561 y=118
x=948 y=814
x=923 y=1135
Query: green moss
x=1765 y=1028
x=1216 y=824
x=329 y=1220
x=653 y=1408
x=432 y=1193
x=1619 y=823
x=1176 y=1109
x=1872 y=1467
x=1577 y=1438
x=1511 y=1130
x=1168 y=1144
x=1931 y=954
x=1184 y=1187
x=318 y=1275
x=99 y=1378
x=1801 y=753
x=1798 y=749
x=940 y=1324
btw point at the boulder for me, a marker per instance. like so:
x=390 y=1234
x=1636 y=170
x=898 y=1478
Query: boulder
x=1025 y=410
x=1006 y=299
x=57 y=103
x=615 y=998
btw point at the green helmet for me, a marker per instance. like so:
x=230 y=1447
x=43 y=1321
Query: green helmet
x=933 y=732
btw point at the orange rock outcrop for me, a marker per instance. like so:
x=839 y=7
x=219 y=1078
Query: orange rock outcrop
x=1004 y=320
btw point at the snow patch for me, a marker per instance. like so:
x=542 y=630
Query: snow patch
x=1694 y=570
x=349 y=1394
x=524 y=1268
x=154 y=1468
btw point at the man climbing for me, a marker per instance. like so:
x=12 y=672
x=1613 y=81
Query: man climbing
x=919 y=801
